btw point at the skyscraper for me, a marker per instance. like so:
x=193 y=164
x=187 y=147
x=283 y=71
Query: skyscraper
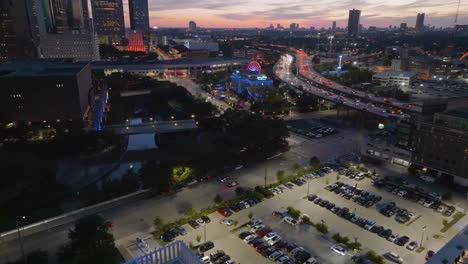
x=139 y=15
x=333 y=25
x=192 y=26
x=420 y=22
x=403 y=27
x=108 y=19
x=46 y=29
x=19 y=37
x=353 y=22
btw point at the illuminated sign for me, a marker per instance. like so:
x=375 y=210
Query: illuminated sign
x=262 y=78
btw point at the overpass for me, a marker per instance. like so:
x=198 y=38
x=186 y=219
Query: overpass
x=158 y=127
x=283 y=72
x=306 y=70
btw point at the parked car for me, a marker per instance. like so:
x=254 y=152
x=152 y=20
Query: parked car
x=412 y=245
x=393 y=257
x=206 y=246
x=339 y=249
x=224 y=211
x=290 y=220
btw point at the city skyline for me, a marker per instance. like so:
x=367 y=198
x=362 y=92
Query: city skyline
x=262 y=13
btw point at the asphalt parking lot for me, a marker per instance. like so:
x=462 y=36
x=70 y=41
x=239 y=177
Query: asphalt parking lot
x=318 y=244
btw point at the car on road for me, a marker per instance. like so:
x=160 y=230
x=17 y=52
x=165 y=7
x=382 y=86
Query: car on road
x=412 y=245
x=393 y=257
x=232 y=184
x=339 y=249
x=206 y=246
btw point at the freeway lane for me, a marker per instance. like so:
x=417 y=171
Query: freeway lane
x=306 y=69
x=283 y=72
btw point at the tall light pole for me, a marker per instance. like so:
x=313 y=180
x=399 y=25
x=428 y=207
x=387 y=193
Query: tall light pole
x=422 y=236
x=308 y=189
x=265 y=177
x=20 y=239
x=204 y=231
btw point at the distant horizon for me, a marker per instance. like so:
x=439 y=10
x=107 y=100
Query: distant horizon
x=262 y=13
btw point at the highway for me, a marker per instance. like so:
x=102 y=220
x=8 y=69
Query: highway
x=304 y=65
x=283 y=72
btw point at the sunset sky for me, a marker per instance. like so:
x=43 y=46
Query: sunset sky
x=317 y=13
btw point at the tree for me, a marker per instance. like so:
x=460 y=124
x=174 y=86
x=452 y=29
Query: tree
x=314 y=161
x=34 y=257
x=239 y=191
x=90 y=242
x=189 y=211
x=218 y=199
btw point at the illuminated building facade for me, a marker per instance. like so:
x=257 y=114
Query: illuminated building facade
x=108 y=19
x=139 y=15
x=135 y=42
x=250 y=82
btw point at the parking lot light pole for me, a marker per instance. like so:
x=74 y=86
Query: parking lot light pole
x=308 y=188
x=20 y=239
x=204 y=231
x=422 y=236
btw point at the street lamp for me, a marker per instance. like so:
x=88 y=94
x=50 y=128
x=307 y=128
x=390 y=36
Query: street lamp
x=422 y=236
x=204 y=231
x=20 y=239
x=308 y=188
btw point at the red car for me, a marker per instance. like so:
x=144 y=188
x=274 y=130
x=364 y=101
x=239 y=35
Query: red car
x=263 y=231
x=429 y=254
x=224 y=211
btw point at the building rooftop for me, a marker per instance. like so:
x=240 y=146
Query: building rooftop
x=41 y=67
x=407 y=74
x=454 y=251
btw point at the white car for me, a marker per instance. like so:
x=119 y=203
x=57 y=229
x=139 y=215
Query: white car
x=249 y=238
x=393 y=237
x=402 y=193
x=427 y=178
x=274 y=240
x=339 y=249
x=428 y=203
x=200 y=222
x=441 y=209
x=206 y=259
x=393 y=257
x=256 y=227
x=269 y=236
x=226 y=221
x=290 y=220
x=312 y=260
x=412 y=245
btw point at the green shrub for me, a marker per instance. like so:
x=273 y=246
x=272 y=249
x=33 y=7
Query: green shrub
x=294 y=212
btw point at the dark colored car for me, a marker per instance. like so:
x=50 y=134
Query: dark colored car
x=267 y=252
x=290 y=247
x=263 y=231
x=401 y=241
x=255 y=242
x=168 y=236
x=194 y=224
x=281 y=244
x=222 y=259
x=311 y=197
x=206 y=246
x=429 y=254
x=318 y=200
x=217 y=255
x=245 y=234
x=262 y=246
x=206 y=219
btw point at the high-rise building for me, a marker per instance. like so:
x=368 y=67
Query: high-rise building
x=333 y=25
x=44 y=90
x=441 y=146
x=139 y=15
x=403 y=27
x=192 y=26
x=420 y=22
x=46 y=29
x=108 y=19
x=353 y=22
x=19 y=37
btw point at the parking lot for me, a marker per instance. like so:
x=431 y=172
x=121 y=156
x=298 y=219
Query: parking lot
x=311 y=128
x=423 y=224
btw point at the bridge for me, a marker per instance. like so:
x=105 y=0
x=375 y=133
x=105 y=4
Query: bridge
x=306 y=70
x=158 y=127
x=283 y=72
